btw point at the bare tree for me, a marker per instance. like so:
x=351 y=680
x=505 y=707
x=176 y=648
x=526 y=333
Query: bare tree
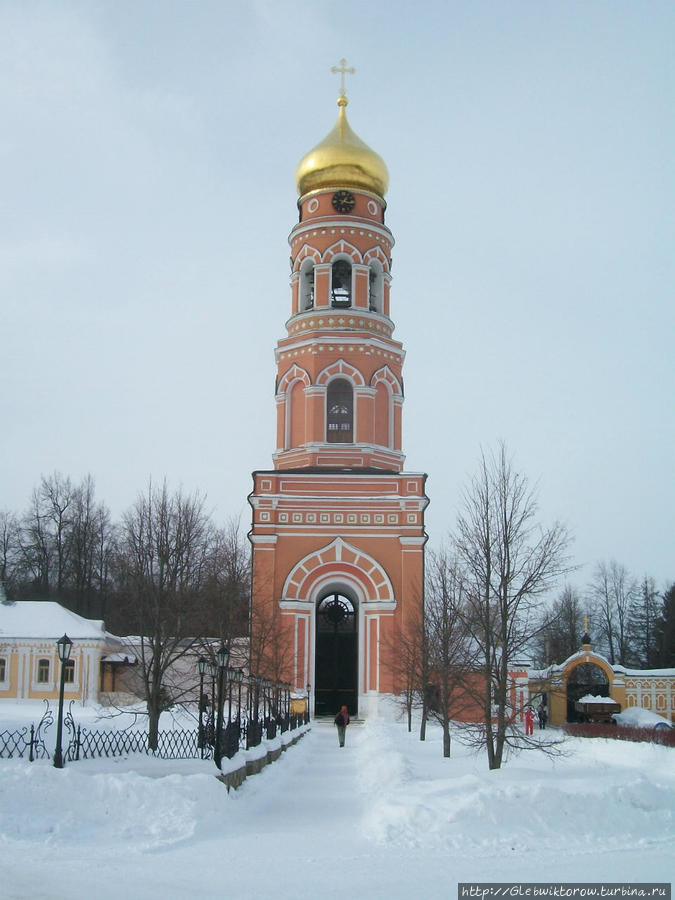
x=613 y=592
x=63 y=546
x=10 y=548
x=227 y=586
x=89 y=542
x=562 y=628
x=36 y=562
x=509 y=562
x=56 y=499
x=162 y=562
x=271 y=645
x=450 y=648
x=407 y=652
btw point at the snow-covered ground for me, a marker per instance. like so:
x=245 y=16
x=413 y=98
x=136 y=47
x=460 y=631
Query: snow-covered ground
x=386 y=816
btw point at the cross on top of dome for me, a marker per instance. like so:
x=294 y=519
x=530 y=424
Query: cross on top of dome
x=343 y=69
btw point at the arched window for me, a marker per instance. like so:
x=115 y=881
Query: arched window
x=383 y=416
x=295 y=415
x=341 y=284
x=340 y=412
x=375 y=287
x=335 y=614
x=306 y=286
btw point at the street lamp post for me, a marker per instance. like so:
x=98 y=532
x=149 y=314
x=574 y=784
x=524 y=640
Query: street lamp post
x=238 y=677
x=308 y=696
x=267 y=709
x=64 y=645
x=230 y=679
x=285 y=709
x=249 y=710
x=211 y=728
x=202 y=663
x=258 y=723
x=223 y=656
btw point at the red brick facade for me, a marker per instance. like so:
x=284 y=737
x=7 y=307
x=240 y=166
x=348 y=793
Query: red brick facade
x=337 y=516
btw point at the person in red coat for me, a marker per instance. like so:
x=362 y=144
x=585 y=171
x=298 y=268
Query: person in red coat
x=529 y=720
x=342 y=720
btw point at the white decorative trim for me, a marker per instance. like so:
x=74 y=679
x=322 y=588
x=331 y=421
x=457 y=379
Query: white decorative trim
x=302 y=580
x=295 y=606
x=343 y=369
x=371 y=228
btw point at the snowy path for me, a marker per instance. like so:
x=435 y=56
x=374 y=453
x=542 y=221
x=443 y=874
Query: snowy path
x=386 y=817
x=305 y=809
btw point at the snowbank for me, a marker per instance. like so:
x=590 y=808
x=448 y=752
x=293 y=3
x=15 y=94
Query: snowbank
x=394 y=816
x=635 y=717
x=589 y=798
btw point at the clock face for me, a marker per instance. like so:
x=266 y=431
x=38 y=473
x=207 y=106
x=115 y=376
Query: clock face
x=343 y=201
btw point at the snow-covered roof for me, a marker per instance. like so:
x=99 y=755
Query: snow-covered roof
x=46 y=619
x=126 y=658
x=655 y=673
x=594 y=698
x=559 y=667
x=556 y=669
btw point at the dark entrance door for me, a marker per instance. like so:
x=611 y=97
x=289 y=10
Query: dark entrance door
x=336 y=668
x=585 y=679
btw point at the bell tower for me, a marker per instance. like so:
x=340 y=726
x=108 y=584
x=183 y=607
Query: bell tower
x=338 y=527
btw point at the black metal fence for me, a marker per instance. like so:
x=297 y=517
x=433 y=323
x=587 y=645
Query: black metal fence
x=90 y=743
x=263 y=712
x=241 y=710
x=20 y=743
x=27 y=741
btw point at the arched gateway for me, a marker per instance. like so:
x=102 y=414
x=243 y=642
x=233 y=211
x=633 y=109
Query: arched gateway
x=585 y=678
x=585 y=672
x=338 y=527
x=336 y=671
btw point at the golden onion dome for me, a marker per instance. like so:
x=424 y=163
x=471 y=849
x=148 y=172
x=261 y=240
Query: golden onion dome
x=342 y=160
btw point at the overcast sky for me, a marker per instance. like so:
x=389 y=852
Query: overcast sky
x=147 y=152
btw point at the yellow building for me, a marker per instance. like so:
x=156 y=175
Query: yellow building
x=29 y=661
x=587 y=672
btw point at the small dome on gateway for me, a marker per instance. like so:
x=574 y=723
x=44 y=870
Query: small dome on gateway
x=342 y=160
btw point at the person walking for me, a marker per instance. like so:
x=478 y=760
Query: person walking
x=543 y=715
x=529 y=720
x=342 y=720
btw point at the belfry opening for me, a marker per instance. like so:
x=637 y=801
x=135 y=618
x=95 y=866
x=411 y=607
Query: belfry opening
x=338 y=531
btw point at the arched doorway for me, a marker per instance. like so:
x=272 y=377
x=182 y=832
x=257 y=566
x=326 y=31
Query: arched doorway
x=585 y=679
x=336 y=660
